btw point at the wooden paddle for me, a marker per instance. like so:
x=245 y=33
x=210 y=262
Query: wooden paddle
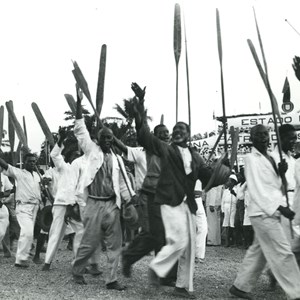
x=24 y=128
x=162 y=117
x=177 y=47
x=101 y=79
x=224 y=119
x=16 y=124
x=71 y=102
x=43 y=124
x=234 y=145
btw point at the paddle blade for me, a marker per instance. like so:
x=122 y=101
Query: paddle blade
x=162 y=119
x=286 y=91
x=81 y=81
x=219 y=36
x=234 y=145
x=101 y=79
x=16 y=124
x=177 y=33
x=11 y=133
x=24 y=128
x=1 y=123
x=43 y=123
x=71 y=102
x=264 y=78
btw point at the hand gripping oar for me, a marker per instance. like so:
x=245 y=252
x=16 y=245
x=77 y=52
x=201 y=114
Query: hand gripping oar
x=274 y=105
x=224 y=120
x=101 y=79
x=71 y=102
x=16 y=124
x=177 y=47
x=43 y=123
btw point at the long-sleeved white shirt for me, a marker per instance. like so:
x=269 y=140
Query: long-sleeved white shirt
x=93 y=161
x=68 y=177
x=27 y=185
x=138 y=157
x=296 y=205
x=264 y=185
x=52 y=173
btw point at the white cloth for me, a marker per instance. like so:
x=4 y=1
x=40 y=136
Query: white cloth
x=270 y=245
x=6 y=185
x=263 y=185
x=26 y=215
x=247 y=221
x=138 y=157
x=27 y=185
x=52 y=173
x=187 y=159
x=228 y=207
x=201 y=229
x=180 y=229
x=289 y=174
x=296 y=206
x=57 y=232
x=4 y=221
x=68 y=177
x=93 y=162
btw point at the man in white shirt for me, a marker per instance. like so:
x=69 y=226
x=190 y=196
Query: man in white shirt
x=69 y=172
x=5 y=189
x=28 y=198
x=265 y=210
x=103 y=181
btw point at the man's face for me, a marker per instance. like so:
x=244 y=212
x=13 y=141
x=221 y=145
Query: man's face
x=105 y=139
x=260 y=138
x=180 y=133
x=163 y=134
x=289 y=141
x=30 y=163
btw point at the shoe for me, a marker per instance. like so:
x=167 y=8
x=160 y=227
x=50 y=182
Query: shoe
x=46 y=267
x=115 y=285
x=37 y=260
x=23 y=264
x=126 y=268
x=70 y=246
x=93 y=270
x=182 y=293
x=79 y=279
x=240 y=294
x=153 y=279
x=199 y=260
x=167 y=282
x=43 y=250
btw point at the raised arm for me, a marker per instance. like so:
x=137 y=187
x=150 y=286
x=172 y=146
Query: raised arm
x=55 y=154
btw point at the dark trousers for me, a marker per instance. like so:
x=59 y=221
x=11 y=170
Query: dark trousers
x=151 y=239
x=238 y=222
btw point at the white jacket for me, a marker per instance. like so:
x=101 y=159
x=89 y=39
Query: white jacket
x=93 y=162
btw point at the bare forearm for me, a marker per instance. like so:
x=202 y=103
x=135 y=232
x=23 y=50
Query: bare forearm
x=3 y=164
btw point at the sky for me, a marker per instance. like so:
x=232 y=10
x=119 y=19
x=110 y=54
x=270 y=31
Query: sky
x=39 y=40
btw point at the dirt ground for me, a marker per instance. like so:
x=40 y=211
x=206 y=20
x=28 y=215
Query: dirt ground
x=212 y=280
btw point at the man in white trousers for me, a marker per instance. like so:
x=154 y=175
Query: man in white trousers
x=265 y=209
x=28 y=199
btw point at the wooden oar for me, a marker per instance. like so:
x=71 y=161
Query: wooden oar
x=43 y=123
x=215 y=145
x=177 y=47
x=25 y=130
x=224 y=119
x=71 y=102
x=187 y=77
x=234 y=145
x=101 y=79
x=16 y=124
x=11 y=134
x=1 y=123
x=162 y=117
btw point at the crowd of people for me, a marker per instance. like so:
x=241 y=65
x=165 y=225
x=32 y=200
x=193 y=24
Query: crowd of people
x=174 y=204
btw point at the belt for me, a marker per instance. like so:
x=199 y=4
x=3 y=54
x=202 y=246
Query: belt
x=292 y=191
x=102 y=198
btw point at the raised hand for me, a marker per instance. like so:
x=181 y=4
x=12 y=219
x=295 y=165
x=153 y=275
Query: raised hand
x=296 y=66
x=139 y=93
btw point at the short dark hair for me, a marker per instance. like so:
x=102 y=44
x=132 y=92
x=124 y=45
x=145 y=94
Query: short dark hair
x=185 y=124
x=27 y=155
x=155 y=130
x=285 y=128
